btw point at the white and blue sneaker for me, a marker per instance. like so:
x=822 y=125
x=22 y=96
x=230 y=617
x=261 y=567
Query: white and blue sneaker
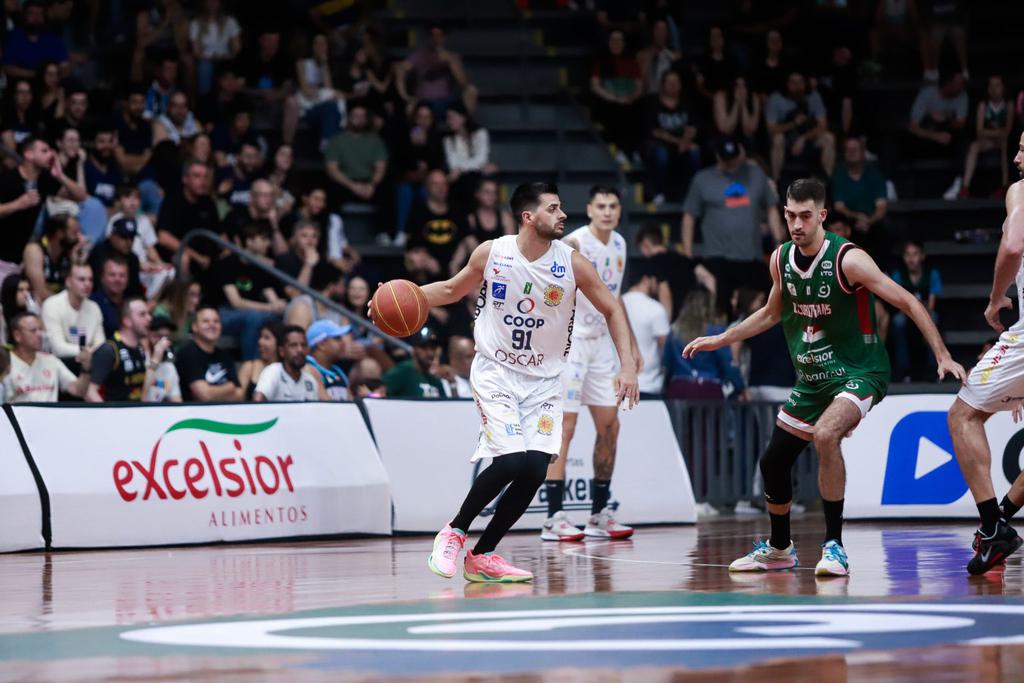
x=766 y=558
x=834 y=561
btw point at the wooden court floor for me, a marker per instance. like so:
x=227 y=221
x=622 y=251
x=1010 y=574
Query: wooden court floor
x=660 y=607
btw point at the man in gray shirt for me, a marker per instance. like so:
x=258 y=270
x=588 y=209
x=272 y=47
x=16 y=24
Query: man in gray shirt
x=798 y=125
x=938 y=120
x=730 y=199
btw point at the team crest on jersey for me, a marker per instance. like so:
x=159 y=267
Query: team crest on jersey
x=545 y=425
x=553 y=295
x=621 y=263
x=813 y=333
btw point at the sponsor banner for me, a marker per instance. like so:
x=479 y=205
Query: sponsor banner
x=426 y=448
x=22 y=518
x=191 y=473
x=900 y=460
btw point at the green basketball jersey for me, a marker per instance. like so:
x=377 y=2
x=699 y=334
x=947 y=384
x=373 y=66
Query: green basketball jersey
x=830 y=329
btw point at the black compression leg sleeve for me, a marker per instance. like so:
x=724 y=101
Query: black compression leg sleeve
x=533 y=469
x=777 y=466
x=486 y=487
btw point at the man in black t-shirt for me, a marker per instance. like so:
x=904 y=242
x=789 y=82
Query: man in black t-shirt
x=434 y=232
x=188 y=210
x=122 y=236
x=119 y=366
x=676 y=273
x=23 y=191
x=207 y=373
x=246 y=293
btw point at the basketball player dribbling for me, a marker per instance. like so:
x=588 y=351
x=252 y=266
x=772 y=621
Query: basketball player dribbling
x=823 y=291
x=523 y=333
x=996 y=383
x=589 y=376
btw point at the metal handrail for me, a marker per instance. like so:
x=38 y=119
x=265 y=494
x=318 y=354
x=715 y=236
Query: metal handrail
x=287 y=279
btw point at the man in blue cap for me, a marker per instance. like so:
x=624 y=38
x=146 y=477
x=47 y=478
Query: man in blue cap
x=326 y=348
x=413 y=377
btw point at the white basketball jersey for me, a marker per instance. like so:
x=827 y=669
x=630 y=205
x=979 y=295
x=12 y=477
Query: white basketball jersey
x=1019 y=325
x=525 y=309
x=610 y=262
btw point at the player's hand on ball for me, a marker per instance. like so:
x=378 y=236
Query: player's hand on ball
x=627 y=388
x=948 y=366
x=702 y=344
x=992 y=311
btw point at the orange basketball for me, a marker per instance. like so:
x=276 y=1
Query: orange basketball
x=399 y=308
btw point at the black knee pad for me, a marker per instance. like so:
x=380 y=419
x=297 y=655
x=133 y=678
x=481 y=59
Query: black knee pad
x=777 y=466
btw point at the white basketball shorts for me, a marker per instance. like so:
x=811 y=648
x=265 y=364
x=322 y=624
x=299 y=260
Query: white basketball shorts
x=589 y=375
x=997 y=382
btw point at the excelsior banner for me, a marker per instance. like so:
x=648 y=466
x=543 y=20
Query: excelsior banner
x=21 y=516
x=189 y=473
x=900 y=460
x=426 y=446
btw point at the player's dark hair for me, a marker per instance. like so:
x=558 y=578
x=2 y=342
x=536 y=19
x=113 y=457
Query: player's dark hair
x=526 y=197
x=604 y=189
x=15 y=323
x=804 y=189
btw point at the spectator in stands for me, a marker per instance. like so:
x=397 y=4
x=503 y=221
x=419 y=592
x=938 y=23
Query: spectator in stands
x=303 y=310
x=717 y=68
x=267 y=74
x=49 y=92
x=658 y=58
x=154 y=273
x=417 y=152
x=730 y=199
x=119 y=366
x=217 y=107
x=993 y=123
x=15 y=298
x=326 y=341
x=102 y=172
x=247 y=294
x=371 y=74
x=673 y=153
x=650 y=324
x=911 y=358
x=178 y=124
x=737 y=113
x=76 y=113
x=278 y=174
x=859 y=195
x=5 y=369
x=894 y=22
x=179 y=303
x=766 y=378
x=215 y=36
x=333 y=241
x=20 y=118
x=676 y=274
x=110 y=295
x=91 y=213
x=249 y=371
x=38 y=377
x=160 y=30
x=289 y=379
x=71 y=156
x=259 y=207
x=162 y=384
x=207 y=372
x=769 y=74
x=838 y=84
x=134 y=132
x=486 y=221
x=467 y=153
x=28 y=45
x=366 y=380
x=942 y=19
x=235 y=182
x=435 y=232
x=229 y=137
x=47 y=261
x=414 y=377
x=356 y=160
x=71 y=320
x=437 y=76
x=455 y=375
x=798 y=126
x=706 y=374
x=937 y=125
x=615 y=83
x=357 y=297
x=302 y=261
x=37 y=178
x=163 y=85
x=190 y=209
x=316 y=99
x=123 y=233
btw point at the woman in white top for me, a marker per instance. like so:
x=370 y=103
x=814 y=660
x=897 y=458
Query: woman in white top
x=317 y=99
x=467 y=152
x=214 y=37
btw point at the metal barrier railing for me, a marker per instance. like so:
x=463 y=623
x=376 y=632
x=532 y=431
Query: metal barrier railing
x=721 y=443
x=354 y=318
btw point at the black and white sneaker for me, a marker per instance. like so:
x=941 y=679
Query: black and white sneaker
x=991 y=550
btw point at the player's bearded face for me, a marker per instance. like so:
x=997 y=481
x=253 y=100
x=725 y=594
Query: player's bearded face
x=804 y=220
x=549 y=219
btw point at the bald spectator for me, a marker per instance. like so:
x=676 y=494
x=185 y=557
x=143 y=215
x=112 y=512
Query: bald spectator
x=38 y=377
x=207 y=372
x=259 y=206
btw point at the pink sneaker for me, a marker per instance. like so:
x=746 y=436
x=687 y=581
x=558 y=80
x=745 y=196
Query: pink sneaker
x=492 y=568
x=445 y=556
